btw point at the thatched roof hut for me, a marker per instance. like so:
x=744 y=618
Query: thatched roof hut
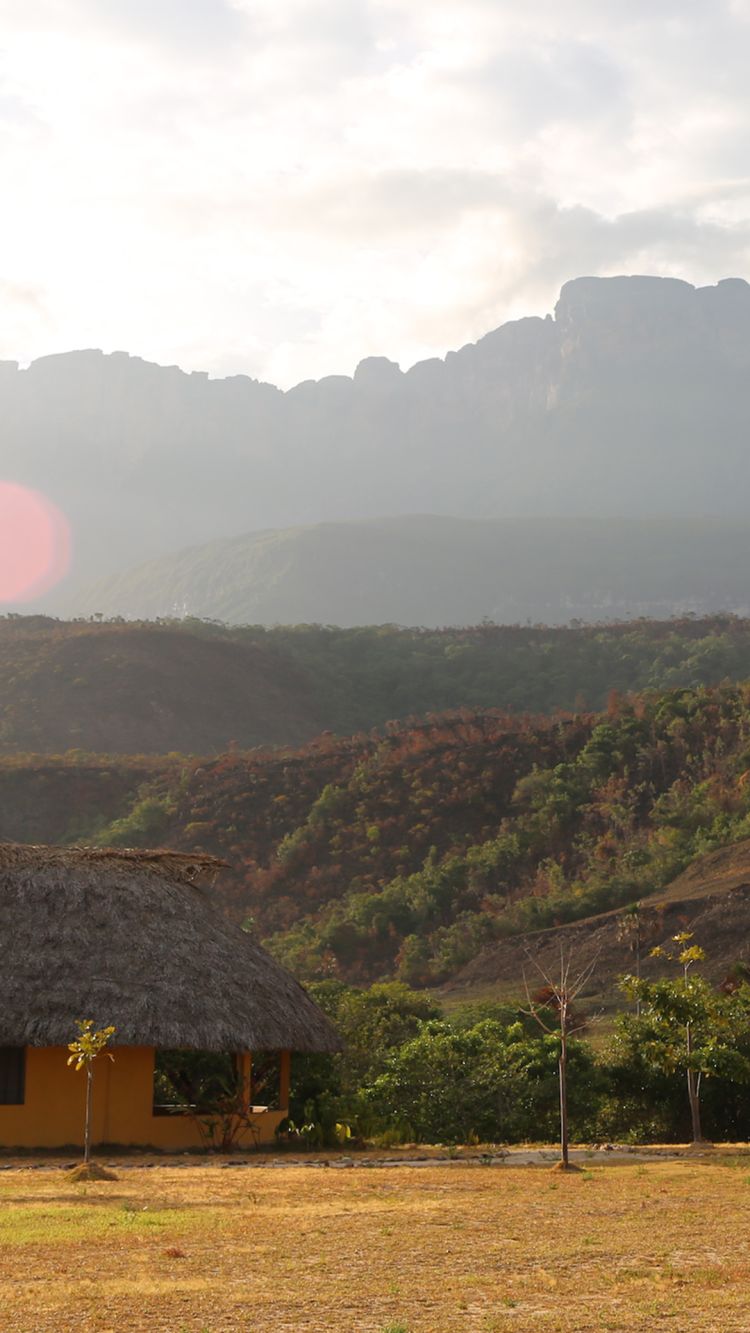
x=131 y=938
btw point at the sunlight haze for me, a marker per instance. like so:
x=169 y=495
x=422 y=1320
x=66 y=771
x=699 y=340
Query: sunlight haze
x=283 y=187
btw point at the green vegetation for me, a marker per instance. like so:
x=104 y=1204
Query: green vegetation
x=514 y=829
x=405 y=853
x=199 y=687
x=44 y=1224
x=364 y=677
x=489 y=1075
x=145 y=823
x=390 y=859
x=685 y=1025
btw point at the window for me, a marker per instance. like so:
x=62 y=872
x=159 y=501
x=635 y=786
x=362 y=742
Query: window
x=205 y=1082
x=193 y=1082
x=266 y=1076
x=12 y=1071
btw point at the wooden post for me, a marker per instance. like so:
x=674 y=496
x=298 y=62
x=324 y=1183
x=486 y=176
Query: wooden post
x=285 y=1072
x=245 y=1070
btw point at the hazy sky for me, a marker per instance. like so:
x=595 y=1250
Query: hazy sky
x=284 y=186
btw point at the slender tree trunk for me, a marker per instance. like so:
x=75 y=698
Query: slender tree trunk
x=695 y=1105
x=563 y=1069
x=87 y=1126
x=693 y=1087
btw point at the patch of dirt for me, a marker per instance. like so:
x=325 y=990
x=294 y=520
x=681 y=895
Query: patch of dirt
x=711 y=898
x=89 y=1171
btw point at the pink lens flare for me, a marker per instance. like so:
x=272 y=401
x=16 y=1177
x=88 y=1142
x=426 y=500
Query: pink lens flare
x=35 y=543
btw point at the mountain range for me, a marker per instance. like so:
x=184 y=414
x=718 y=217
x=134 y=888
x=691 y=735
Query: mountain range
x=632 y=402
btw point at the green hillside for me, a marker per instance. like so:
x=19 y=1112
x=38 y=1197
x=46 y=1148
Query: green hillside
x=197 y=687
x=430 y=569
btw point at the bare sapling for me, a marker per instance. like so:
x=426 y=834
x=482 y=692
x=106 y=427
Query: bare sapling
x=559 y=996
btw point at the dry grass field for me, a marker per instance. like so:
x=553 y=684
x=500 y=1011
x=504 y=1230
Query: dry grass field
x=664 y=1245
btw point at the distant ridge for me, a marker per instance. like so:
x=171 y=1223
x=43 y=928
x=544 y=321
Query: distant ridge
x=634 y=400
x=427 y=570
x=194 y=687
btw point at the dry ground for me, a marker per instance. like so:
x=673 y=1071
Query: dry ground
x=661 y=1246
x=711 y=898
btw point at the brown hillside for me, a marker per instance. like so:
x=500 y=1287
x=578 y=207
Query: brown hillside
x=125 y=689
x=711 y=898
x=193 y=687
x=65 y=799
x=712 y=875
x=414 y=851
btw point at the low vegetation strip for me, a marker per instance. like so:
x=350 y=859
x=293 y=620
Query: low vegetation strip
x=641 y=1247
x=196 y=686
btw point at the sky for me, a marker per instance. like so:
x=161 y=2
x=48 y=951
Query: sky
x=282 y=187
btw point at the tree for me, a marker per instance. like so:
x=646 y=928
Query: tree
x=373 y=1023
x=84 y=1051
x=635 y=929
x=687 y=1026
x=489 y=1081
x=558 y=998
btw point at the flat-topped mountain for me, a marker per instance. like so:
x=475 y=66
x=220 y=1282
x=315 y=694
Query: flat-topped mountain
x=633 y=400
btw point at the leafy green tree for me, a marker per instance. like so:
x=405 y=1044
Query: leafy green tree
x=491 y=1082
x=373 y=1023
x=686 y=1026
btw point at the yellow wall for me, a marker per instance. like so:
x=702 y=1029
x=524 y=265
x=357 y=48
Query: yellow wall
x=52 y=1115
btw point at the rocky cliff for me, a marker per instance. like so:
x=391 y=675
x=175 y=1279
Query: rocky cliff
x=633 y=400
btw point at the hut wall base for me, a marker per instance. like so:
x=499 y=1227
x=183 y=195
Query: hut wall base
x=52 y=1115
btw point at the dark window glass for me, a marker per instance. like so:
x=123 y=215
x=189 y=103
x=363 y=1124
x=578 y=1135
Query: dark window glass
x=190 y=1082
x=266 y=1075
x=207 y=1082
x=12 y=1070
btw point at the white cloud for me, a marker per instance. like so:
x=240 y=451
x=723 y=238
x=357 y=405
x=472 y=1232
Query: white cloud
x=284 y=186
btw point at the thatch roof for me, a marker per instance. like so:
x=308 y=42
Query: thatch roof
x=132 y=938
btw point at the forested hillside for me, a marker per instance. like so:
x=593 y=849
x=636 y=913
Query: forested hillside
x=201 y=688
x=405 y=853
x=431 y=571
x=146 y=689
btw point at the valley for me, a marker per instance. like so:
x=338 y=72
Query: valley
x=416 y=850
